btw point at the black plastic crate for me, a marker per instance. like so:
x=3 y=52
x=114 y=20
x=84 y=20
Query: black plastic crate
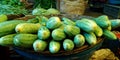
x=112 y=10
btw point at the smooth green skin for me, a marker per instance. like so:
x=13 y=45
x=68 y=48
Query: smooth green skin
x=39 y=45
x=109 y=34
x=3 y=18
x=38 y=11
x=53 y=23
x=103 y=21
x=24 y=40
x=27 y=28
x=42 y=20
x=68 y=45
x=98 y=31
x=58 y=34
x=109 y=27
x=7 y=40
x=54 y=46
x=90 y=38
x=33 y=20
x=8 y=27
x=79 y=40
x=86 y=25
x=53 y=11
x=43 y=33
x=115 y=23
x=71 y=30
x=68 y=21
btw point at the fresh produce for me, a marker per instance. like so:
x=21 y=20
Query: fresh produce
x=71 y=30
x=45 y=12
x=62 y=26
x=53 y=35
x=54 y=46
x=53 y=22
x=109 y=27
x=103 y=21
x=33 y=20
x=8 y=27
x=27 y=28
x=7 y=40
x=86 y=25
x=43 y=33
x=58 y=34
x=53 y=11
x=115 y=23
x=109 y=34
x=43 y=20
x=39 y=45
x=79 y=40
x=38 y=11
x=68 y=21
x=90 y=38
x=11 y=2
x=10 y=9
x=24 y=40
x=68 y=45
x=3 y=18
x=98 y=31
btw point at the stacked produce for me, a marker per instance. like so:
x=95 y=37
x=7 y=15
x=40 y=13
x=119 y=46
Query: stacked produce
x=55 y=33
x=45 y=12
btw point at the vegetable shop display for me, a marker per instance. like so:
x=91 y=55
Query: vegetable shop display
x=56 y=33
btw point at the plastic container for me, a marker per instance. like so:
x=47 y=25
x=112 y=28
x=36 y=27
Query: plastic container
x=83 y=53
x=112 y=10
x=114 y=1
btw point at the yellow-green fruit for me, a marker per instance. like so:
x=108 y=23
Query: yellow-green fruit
x=39 y=45
x=3 y=17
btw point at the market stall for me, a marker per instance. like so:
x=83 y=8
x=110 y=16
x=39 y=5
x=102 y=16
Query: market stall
x=53 y=31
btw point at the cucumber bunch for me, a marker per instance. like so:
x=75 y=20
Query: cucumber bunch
x=55 y=33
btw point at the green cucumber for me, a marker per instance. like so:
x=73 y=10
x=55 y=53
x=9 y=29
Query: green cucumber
x=90 y=38
x=68 y=45
x=24 y=40
x=39 y=45
x=79 y=40
x=109 y=34
x=54 y=46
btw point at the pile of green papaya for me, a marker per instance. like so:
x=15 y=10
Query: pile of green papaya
x=54 y=33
